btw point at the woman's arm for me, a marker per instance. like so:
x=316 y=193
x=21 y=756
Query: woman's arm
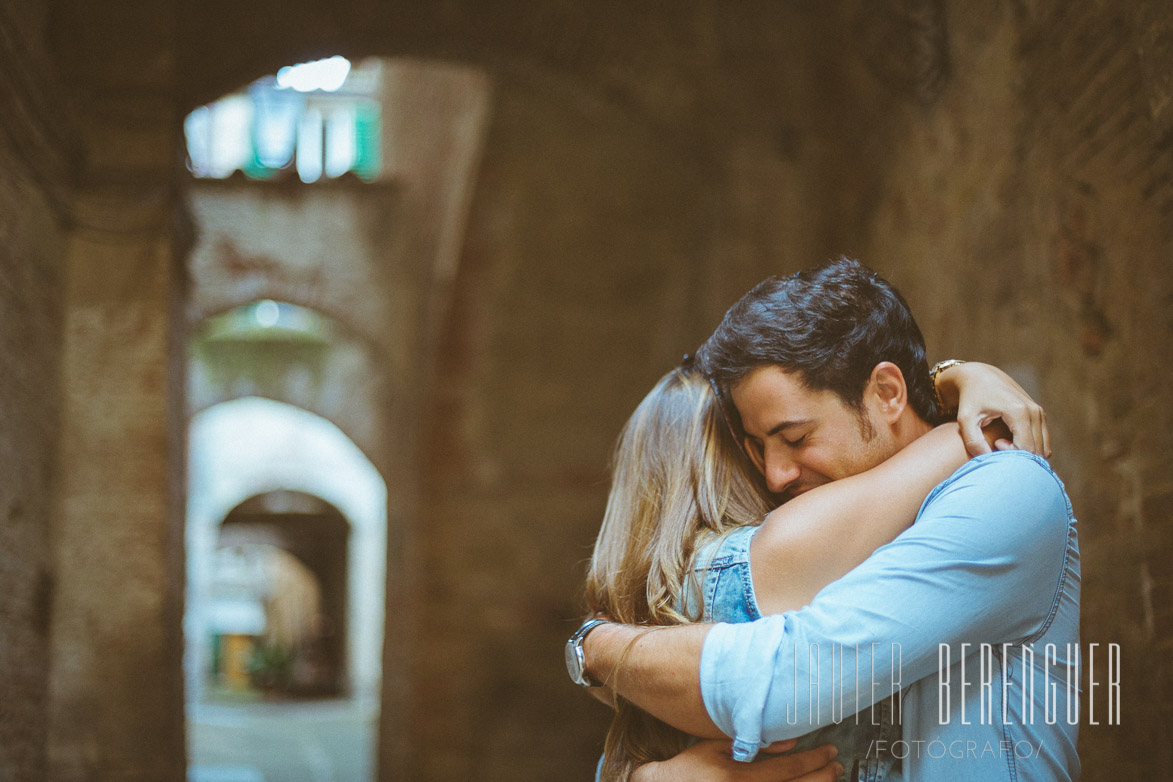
x=822 y=534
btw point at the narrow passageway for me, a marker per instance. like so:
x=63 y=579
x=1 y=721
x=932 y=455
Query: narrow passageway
x=252 y=648
x=298 y=190
x=426 y=289
x=303 y=741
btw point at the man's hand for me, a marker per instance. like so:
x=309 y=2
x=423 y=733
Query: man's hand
x=711 y=761
x=984 y=394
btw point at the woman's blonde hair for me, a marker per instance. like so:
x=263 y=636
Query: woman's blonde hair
x=677 y=477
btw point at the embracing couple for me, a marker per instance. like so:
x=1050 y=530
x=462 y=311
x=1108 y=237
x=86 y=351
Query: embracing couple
x=798 y=556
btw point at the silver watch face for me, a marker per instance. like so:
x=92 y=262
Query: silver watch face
x=574 y=662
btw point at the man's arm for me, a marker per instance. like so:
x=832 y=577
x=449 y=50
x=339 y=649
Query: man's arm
x=982 y=564
x=709 y=759
x=656 y=669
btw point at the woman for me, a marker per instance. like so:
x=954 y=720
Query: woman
x=674 y=545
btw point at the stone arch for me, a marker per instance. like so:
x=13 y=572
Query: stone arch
x=322 y=366
x=296 y=544
x=246 y=447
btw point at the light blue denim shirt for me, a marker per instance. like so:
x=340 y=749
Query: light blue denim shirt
x=992 y=560
x=721 y=590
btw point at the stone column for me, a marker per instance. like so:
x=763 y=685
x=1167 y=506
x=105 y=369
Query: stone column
x=116 y=707
x=115 y=686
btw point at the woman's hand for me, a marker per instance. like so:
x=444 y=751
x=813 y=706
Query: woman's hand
x=983 y=394
x=710 y=761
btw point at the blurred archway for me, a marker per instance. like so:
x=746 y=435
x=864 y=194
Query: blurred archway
x=271 y=490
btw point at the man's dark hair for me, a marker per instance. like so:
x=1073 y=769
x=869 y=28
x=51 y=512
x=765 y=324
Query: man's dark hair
x=830 y=325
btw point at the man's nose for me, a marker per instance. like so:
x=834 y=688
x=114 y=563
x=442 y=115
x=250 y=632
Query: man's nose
x=780 y=472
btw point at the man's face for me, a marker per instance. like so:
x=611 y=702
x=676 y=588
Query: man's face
x=800 y=438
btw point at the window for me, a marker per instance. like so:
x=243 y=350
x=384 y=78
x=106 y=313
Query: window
x=319 y=119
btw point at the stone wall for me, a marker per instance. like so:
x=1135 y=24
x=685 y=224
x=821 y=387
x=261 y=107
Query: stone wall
x=31 y=252
x=1027 y=213
x=32 y=247
x=571 y=299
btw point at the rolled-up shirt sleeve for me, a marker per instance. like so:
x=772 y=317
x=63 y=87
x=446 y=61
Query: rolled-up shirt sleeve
x=982 y=564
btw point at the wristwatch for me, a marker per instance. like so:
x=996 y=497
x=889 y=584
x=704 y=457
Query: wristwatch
x=576 y=660
x=936 y=370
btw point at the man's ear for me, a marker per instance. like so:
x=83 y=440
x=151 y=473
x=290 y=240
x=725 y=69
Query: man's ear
x=888 y=391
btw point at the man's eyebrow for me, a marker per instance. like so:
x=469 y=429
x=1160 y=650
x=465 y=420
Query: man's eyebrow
x=778 y=427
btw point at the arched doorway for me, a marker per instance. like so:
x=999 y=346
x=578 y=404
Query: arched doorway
x=274 y=486
x=279 y=598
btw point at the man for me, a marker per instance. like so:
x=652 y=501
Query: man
x=973 y=611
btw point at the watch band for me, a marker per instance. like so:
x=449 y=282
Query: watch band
x=937 y=369
x=576 y=659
